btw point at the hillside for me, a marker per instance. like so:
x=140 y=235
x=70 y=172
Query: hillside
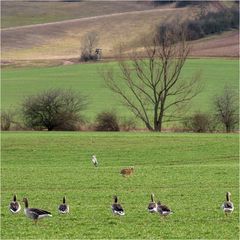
x=20 y=13
x=63 y=39
x=59 y=37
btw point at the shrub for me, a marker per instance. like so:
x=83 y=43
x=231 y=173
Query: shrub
x=86 y=56
x=199 y=122
x=107 y=121
x=53 y=110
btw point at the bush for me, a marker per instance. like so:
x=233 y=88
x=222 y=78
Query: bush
x=199 y=122
x=53 y=110
x=86 y=56
x=107 y=121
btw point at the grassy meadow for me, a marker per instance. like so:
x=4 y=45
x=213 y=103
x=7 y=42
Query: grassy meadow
x=189 y=172
x=85 y=78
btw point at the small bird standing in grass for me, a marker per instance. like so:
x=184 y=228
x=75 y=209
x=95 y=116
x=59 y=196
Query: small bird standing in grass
x=163 y=209
x=35 y=213
x=63 y=208
x=14 y=205
x=227 y=206
x=152 y=206
x=94 y=160
x=117 y=208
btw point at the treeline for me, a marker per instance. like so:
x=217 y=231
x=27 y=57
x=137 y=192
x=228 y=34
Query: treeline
x=178 y=3
x=210 y=23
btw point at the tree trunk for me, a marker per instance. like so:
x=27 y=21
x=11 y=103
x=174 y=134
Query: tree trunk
x=50 y=128
x=149 y=127
x=228 y=129
x=157 y=126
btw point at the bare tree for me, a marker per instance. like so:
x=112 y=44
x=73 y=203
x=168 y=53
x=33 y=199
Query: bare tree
x=89 y=43
x=151 y=86
x=54 y=109
x=226 y=106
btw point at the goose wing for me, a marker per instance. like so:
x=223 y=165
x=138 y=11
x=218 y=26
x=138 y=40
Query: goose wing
x=117 y=207
x=228 y=205
x=39 y=211
x=164 y=208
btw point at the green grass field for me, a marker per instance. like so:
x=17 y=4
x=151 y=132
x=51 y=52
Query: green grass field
x=188 y=172
x=18 y=83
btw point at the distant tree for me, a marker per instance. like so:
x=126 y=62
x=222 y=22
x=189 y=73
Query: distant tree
x=227 y=109
x=89 y=44
x=152 y=87
x=54 y=110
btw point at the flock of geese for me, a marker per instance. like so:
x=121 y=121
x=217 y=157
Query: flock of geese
x=117 y=209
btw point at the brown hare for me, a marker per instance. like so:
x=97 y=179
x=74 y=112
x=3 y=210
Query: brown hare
x=127 y=171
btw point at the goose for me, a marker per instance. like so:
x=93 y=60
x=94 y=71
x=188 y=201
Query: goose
x=94 y=160
x=14 y=205
x=227 y=206
x=163 y=209
x=35 y=213
x=117 y=208
x=152 y=206
x=63 y=208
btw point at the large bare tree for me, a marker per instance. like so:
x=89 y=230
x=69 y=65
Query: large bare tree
x=150 y=83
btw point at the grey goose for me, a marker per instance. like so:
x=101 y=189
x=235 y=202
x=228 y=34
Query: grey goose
x=63 y=208
x=152 y=206
x=117 y=208
x=35 y=213
x=14 y=205
x=227 y=206
x=163 y=209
